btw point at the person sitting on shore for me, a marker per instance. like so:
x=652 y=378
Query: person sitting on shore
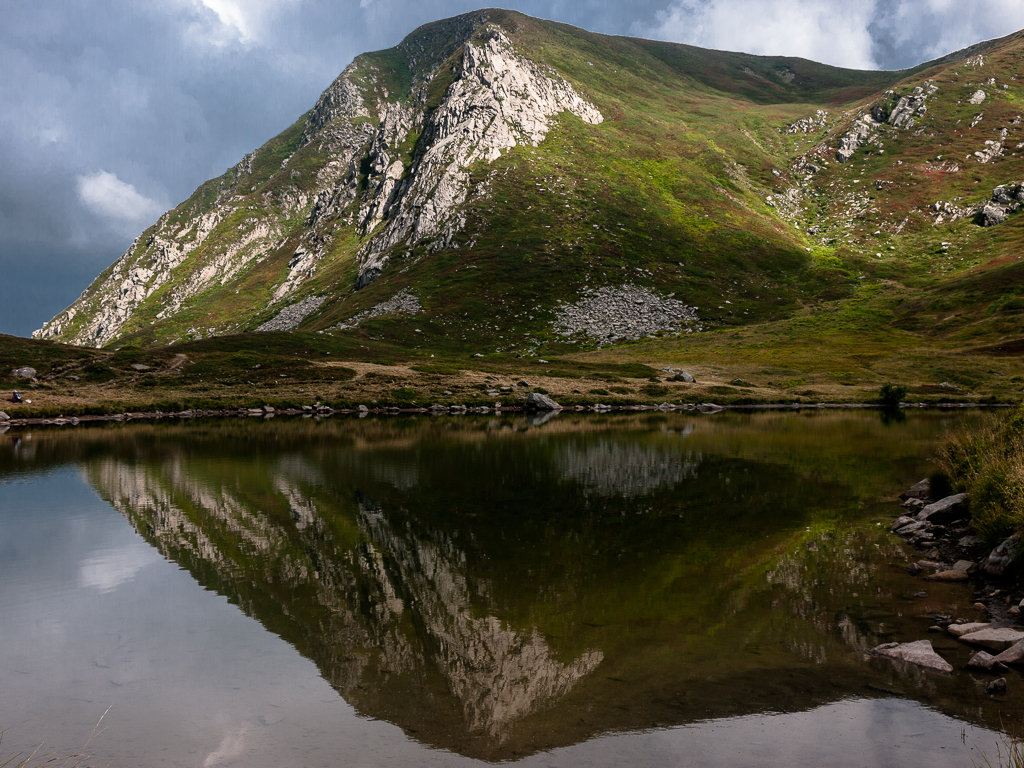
x=16 y=397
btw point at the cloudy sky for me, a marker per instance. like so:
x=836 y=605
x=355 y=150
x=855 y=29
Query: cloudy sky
x=112 y=111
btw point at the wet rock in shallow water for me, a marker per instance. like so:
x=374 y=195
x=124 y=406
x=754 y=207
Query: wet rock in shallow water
x=911 y=528
x=945 y=510
x=1012 y=655
x=901 y=521
x=964 y=565
x=993 y=639
x=956 y=630
x=1001 y=557
x=951 y=575
x=914 y=569
x=985 y=661
x=919 y=653
x=996 y=687
x=917 y=491
x=535 y=401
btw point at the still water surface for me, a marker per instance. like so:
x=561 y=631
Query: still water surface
x=649 y=590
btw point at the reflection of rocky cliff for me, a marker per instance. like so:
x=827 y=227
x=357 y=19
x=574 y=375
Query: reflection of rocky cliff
x=366 y=598
x=608 y=467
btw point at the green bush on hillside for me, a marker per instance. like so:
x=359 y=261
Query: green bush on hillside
x=892 y=394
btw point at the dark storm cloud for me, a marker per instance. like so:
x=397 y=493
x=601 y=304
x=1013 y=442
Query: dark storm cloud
x=114 y=110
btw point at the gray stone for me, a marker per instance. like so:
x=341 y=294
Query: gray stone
x=140 y=367
x=1012 y=655
x=918 y=490
x=913 y=506
x=993 y=639
x=985 y=661
x=964 y=565
x=945 y=510
x=1000 y=559
x=919 y=653
x=902 y=521
x=24 y=373
x=991 y=214
x=535 y=401
x=952 y=575
x=959 y=630
x=4 y=416
x=977 y=97
x=911 y=528
x=686 y=376
x=1001 y=195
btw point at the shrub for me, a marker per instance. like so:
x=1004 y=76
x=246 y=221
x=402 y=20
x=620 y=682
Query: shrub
x=892 y=394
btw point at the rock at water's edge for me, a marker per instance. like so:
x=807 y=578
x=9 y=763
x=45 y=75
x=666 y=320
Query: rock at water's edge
x=917 y=491
x=945 y=510
x=919 y=653
x=951 y=575
x=985 y=661
x=1012 y=655
x=993 y=639
x=958 y=630
x=4 y=416
x=538 y=402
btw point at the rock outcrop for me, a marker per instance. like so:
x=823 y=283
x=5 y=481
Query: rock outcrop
x=394 y=166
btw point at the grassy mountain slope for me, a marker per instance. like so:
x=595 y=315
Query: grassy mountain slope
x=713 y=177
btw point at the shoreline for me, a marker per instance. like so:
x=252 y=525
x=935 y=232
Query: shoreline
x=361 y=411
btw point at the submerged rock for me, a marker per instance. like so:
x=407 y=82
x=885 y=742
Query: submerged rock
x=919 y=653
x=951 y=575
x=996 y=687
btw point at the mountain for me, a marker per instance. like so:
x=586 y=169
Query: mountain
x=520 y=185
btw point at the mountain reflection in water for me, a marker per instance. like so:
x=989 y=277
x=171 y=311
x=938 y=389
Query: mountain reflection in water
x=497 y=588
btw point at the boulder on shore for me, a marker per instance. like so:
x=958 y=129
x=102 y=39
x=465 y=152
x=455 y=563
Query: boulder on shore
x=919 y=653
x=535 y=401
x=945 y=510
x=917 y=491
x=951 y=575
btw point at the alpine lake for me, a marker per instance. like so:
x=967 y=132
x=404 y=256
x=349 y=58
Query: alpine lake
x=652 y=589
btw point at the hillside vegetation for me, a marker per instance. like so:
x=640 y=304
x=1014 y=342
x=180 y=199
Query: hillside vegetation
x=522 y=190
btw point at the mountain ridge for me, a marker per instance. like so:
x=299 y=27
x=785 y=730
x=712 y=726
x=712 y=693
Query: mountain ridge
x=712 y=177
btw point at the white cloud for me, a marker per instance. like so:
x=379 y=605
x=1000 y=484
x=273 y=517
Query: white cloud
x=106 y=195
x=110 y=569
x=821 y=30
x=943 y=26
x=245 y=21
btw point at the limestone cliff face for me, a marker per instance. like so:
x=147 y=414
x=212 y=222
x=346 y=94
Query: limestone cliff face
x=389 y=169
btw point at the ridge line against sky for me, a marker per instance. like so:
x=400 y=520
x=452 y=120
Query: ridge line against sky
x=115 y=111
